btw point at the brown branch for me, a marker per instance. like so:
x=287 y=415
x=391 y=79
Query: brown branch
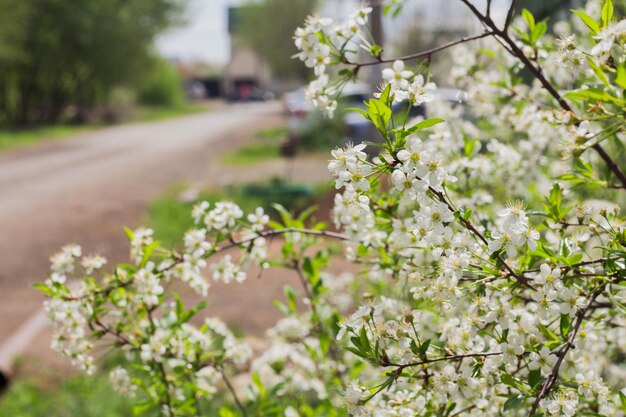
x=401 y=367
x=168 y=398
x=470 y=227
x=549 y=383
x=244 y=413
x=332 y=351
x=232 y=243
x=423 y=54
x=502 y=34
x=463 y=410
x=509 y=15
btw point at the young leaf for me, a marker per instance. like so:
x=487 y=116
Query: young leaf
x=529 y=18
x=539 y=30
x=534 y=378
x=620 y=78
x=511 y=381
x=599 y=73
x=425 y=124
x=622 y=400
x=513 y=403
x=324 y=342
x=565 y=325
x=593 y=94
x=588 y=20
x=607 y=13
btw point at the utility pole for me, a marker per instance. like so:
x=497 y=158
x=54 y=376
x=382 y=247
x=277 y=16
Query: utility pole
x=374 y=76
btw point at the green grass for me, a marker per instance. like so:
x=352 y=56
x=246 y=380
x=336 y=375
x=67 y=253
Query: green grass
x=78 y=396
x=170 y=218
x=14 y=139
x=52 y=394
x=265 y=146
x=10 y=139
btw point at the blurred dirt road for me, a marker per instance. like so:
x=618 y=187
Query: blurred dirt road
x=84 y=189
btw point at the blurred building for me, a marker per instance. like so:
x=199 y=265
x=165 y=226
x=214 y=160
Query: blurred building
x=246 y=70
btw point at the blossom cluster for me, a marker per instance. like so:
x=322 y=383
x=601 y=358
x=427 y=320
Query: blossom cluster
x=486 y=255
x=322 y=42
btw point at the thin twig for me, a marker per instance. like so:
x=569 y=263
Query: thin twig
x=423 y=54
x=244 y=413
x=509 y=16
x=549 y=383
x=401 y=367
x=503 y=36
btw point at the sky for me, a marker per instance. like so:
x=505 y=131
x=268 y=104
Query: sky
x=204 y=36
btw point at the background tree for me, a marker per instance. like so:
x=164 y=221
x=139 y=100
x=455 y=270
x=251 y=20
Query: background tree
x=66 y=52
x=268 y=26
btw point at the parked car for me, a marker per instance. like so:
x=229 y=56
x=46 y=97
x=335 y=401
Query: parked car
x=247 y=92
x=306 y=124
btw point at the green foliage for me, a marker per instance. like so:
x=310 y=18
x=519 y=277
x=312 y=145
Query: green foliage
x=170 y=219
x=162 y=86
x=535 y=29
x=76 y=396
x=67 y=52
x=253 y=153
x=10 y=139
x=265 y=146
x=322 y=133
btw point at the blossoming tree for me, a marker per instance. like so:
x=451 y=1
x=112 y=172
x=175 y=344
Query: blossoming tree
x=488 y=246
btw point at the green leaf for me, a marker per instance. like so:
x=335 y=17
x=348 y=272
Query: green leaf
x=384 y=95
x=324 y=342
x=376 y=50
x=258 y=383
x=529 y=18
x=284 y=214
x=425 y=124
x=574 y=259
x=360 y=111
x=307 y=267
x=226 y=412
x=620 y=78
x=554 y=204
x=594 y=94
x=622 y=399
x=598 y=71
x=565 y=325
x=43 y=288
x=365 y=342
x=538 y=31
x=291 y=298
x=534 y=378
x=547 y=333
x=511 y=381
x=379 y=114
x=588 y=20
x=607 y=13
x=513 y=403
x=129 y=233
x=141 y=408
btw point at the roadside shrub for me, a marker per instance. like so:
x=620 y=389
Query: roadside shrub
x=161 y=86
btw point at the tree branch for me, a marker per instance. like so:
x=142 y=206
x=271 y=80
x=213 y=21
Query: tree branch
x=423 y=54
x=244 y=413
x=562 y=353
x=511 y=46
x=401 y=367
